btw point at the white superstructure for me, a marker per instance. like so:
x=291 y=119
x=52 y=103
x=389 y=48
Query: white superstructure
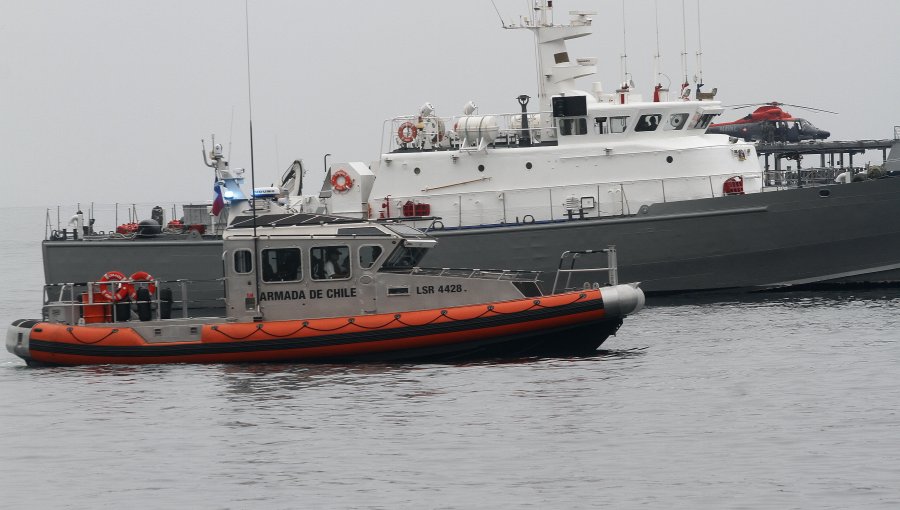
x=583 y=154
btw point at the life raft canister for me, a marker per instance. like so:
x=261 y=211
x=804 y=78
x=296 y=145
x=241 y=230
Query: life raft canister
x=113 y=291
x=142 y=276
x=341 y=181
x=407 y=132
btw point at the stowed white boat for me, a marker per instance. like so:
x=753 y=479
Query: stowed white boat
x=687 y=210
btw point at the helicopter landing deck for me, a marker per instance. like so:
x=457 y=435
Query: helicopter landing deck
x=835 y=150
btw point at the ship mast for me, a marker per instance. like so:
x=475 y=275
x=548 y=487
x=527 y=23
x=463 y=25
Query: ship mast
x=557 y=72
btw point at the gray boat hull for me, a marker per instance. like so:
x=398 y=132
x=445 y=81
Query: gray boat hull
x=846 y=233
x=199 y=260
x=843 y=233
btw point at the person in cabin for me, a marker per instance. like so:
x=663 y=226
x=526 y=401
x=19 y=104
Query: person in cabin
x=333 y=268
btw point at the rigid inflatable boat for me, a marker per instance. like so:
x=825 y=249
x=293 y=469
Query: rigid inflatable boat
x=313 y=288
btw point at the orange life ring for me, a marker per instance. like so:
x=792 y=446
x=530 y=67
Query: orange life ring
x=115 y=291
x=341 y=181
x=407 y=132
x=142 y=276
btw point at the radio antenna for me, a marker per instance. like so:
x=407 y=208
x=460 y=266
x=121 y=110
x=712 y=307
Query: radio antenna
x=624 y=49
x=231 y=133
x=685 y=84
x=252 y=170
x=699 y=46
x=250 y=118
x=502 y=23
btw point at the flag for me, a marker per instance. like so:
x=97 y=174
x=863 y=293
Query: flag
x=218 y=201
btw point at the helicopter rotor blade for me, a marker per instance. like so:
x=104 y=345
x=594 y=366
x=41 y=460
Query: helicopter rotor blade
x=778 y=104
x=809 y=108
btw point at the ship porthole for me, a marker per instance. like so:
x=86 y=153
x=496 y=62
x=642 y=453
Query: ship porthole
x=528 y=165
x=481 y=168
x=417 y=170
x=669 y=159
x=824 y=193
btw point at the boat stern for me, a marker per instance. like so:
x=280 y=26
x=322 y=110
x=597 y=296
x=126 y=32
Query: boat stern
x=18 y=336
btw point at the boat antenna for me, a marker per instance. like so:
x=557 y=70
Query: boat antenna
x=252 y=171
x=624 y=49
x=699 y=49
x=231 y=133
x=685 y=84
x=250 y=111
x=502 y=23
x=657 y=58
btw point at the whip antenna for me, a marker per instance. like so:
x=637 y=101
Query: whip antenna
x=252 y=172
x=699 y=46
x=624 y=49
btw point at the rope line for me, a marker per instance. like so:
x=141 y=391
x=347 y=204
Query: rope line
x=72 y=333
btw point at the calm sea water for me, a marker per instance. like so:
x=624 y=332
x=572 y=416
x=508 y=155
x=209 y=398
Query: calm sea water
x=779 y=401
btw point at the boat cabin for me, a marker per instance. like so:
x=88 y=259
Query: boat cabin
x=308 y=265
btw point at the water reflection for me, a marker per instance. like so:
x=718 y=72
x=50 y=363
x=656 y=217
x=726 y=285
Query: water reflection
x=888 y=296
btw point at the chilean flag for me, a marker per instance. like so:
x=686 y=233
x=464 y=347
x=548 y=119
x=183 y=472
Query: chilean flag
x=218 y=201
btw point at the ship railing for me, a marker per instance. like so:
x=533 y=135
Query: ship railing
x=569 y=258
x=512 y=275
x=523 y=206
x=807 y=177
x=83 y=302
x=60 y=222
x=441 y=133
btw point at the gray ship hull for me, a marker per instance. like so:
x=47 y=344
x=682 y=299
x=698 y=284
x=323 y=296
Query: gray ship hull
x=168 y=260
x=846 y=233
x=841 y=234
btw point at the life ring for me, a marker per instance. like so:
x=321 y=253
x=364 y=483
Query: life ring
x=142 y=276
x=115 y=291
x=407 y=132
x=341 y=181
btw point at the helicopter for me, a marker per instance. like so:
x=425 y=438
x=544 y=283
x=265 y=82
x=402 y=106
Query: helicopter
x=769 y=123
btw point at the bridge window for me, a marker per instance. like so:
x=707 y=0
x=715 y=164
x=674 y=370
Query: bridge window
x=243 y=262
x=648 y=122
x=404 y=258
x=704 y=121
x=676 y=122
x=618 y=124
x=281 y=265
x=330 y=262
x=368 y=255
x=576 y=126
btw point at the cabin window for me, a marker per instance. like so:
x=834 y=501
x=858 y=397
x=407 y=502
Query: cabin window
x=404 y=258
x=576 y=126
x=601 y=125
x=243 y=262
x=368 y=255
x=330 y=262
x=648 y=122
x=281 y=265
x=704 y=120
x=618 y=124
x=676 y=122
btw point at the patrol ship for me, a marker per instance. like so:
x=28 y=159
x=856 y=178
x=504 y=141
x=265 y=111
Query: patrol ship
x=688 y=211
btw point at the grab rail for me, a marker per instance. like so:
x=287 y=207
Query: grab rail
x=69 y=295
x=611 y=261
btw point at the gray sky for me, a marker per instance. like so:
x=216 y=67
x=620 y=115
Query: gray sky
x=107 y=101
